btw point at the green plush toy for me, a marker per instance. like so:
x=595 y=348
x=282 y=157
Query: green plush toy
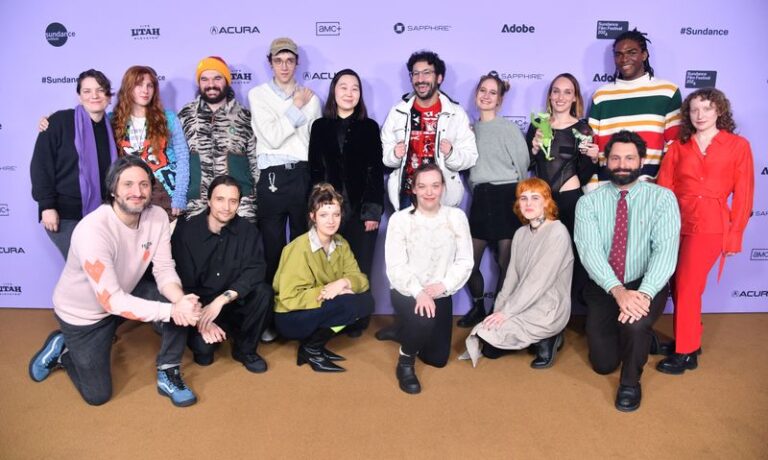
x=541 y=122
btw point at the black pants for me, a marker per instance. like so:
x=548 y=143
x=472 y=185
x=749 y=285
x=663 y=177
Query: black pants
x=430 y=338
x=363 y=246
x=566 y=207
x=286 y=204
x=242 y=320
x=612 y=343
x=339 y=311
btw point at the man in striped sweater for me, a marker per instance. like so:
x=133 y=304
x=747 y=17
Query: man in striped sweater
x=627 y=234
x=635 y=101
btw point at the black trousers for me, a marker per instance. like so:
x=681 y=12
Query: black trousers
x=612 y=343
x=288 y=203
x=339 y=311
x=430 y=338
x=363 y=246
x=242 y=320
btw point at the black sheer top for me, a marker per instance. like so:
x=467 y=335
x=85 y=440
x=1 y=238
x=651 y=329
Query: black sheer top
x=566 y=160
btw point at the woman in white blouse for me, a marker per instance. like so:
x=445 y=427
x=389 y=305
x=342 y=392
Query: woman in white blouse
x=428 y=254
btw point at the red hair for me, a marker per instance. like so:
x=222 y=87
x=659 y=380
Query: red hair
x=157 y=126
x=536 y=185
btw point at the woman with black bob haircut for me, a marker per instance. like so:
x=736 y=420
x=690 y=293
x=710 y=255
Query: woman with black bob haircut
x=345 y=151
x=319 y=288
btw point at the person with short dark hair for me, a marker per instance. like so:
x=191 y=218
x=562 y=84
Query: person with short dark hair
x=705 y=167
x=219 y=257
x=319 y=288
x=220 y=137
x=428 y=253
x=637 y=101
x=345 y=151
x=426 y=127
x=111 y=249
x=627 y=234
x=534 y=304
x=71 y=159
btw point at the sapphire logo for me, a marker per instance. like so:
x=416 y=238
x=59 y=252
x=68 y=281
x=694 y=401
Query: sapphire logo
x=56 y=34
x=328 y=28
x=12 y=250
x=239 y=77
x=759 y=254
x=10 y=289
x=319 y=75
x=518 y=29
x=399 y=28
x=234 y=30
x=700 y=78
x=611 y=29
x=603 y=78
x=518 y=75
x=759 y=213
x=5 y=211
x=145 y=32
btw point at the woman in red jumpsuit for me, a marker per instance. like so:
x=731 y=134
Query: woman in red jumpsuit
x=703 y=167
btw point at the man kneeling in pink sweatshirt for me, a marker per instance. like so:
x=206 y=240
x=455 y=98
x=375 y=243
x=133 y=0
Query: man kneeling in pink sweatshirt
x=110 y=251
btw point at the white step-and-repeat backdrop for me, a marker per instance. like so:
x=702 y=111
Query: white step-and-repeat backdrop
x=47 y=44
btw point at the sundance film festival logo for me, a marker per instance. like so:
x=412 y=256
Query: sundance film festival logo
x=400 y=28
x=239 y=77
x=319 y=75
x=517 y=29
x=56 y=34
x=685 y=30
x=145 y=32
x=759 y=254
x=700 y=78
x=234 y=30
x=50 y=80
x=10 y=289
x=517 y=75
x=328 y=29
x=611 y=29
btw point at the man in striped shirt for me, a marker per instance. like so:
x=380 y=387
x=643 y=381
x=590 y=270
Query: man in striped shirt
x=627 y=234
x=636 y=101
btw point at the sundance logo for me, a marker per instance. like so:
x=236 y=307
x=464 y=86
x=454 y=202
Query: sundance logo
x=700 y=78
x=608 y=30
x=328 y=29
x=12 y=250
x=759 y=254
x=518 y=29
x=145 y=32
x=56 y=34
x=234 y=30
x=319 y=75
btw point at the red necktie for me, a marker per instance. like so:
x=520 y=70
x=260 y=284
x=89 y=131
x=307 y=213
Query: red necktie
x=618 y=256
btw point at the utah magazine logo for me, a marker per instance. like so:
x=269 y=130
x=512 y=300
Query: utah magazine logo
x=145 y=32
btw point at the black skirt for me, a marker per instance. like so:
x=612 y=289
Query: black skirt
x=492 y=216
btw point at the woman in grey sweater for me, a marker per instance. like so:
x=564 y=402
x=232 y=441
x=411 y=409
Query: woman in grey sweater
x=502 y=162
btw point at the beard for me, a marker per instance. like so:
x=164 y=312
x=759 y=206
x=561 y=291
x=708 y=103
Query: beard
x=217 y=97
x=625 y=179
x=127 y=208
x=430 y=91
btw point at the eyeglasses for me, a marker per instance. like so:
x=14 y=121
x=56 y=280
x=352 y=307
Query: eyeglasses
x=424 y=73
x=290 y=62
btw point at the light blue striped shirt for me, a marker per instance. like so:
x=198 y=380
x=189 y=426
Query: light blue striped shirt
x=652 y=241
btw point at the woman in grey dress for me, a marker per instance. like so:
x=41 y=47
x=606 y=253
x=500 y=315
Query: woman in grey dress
x=534 y=303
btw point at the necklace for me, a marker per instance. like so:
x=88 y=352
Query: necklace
x=539 y=221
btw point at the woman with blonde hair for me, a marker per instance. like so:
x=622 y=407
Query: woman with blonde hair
x=534 y=304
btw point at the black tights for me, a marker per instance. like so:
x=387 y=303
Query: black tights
x=501 y=250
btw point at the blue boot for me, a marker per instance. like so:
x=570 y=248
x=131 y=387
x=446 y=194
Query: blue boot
x=47 y=359
x=170 y=384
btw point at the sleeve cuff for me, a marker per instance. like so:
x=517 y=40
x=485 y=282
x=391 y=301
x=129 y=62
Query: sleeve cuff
x=296 y=116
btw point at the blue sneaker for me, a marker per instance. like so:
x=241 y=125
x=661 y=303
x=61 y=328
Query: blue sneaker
x=170 y=384
x=47 y=359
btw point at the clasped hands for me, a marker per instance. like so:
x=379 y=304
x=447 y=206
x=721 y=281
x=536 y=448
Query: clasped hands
x=633 y=305
x=338 y=287
x=425 y=300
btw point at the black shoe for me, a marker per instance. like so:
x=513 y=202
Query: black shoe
x=491 y=352
x=316 y=360
x=628 y=398
x=252 y=361
x=331 y=355
x=668 y=348
x=677 y=363
x=474 y=315
x=388 y=333
x=406 y=375
x=203 y=359
x=547 y=350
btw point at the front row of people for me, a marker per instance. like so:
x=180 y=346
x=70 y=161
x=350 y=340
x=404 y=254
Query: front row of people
x=626 y=233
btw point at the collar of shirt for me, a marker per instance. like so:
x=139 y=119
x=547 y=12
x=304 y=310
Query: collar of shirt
x=633 y=190
x=315 y=244
x=279 y=91
x=205 y=231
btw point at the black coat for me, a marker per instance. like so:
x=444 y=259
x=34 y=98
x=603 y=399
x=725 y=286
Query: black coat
x=357 y=170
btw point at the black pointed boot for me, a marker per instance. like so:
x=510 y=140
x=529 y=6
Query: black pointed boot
x=312 y=351
x=406 y=375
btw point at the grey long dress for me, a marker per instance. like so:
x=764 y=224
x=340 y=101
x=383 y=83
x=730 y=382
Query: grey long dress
x=536 y=295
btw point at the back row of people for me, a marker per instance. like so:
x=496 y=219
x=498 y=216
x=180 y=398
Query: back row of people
x=343 y=148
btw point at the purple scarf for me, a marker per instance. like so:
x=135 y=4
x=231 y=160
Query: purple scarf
x=85 y=144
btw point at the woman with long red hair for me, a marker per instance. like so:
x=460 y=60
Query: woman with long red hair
x=143 y=128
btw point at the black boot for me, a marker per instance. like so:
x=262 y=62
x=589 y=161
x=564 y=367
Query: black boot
x=547 y=349
x=677 y=363
x=474 y=315
x=389 y=333
x=406 y=375
x=491 y=352
x=312 y=350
